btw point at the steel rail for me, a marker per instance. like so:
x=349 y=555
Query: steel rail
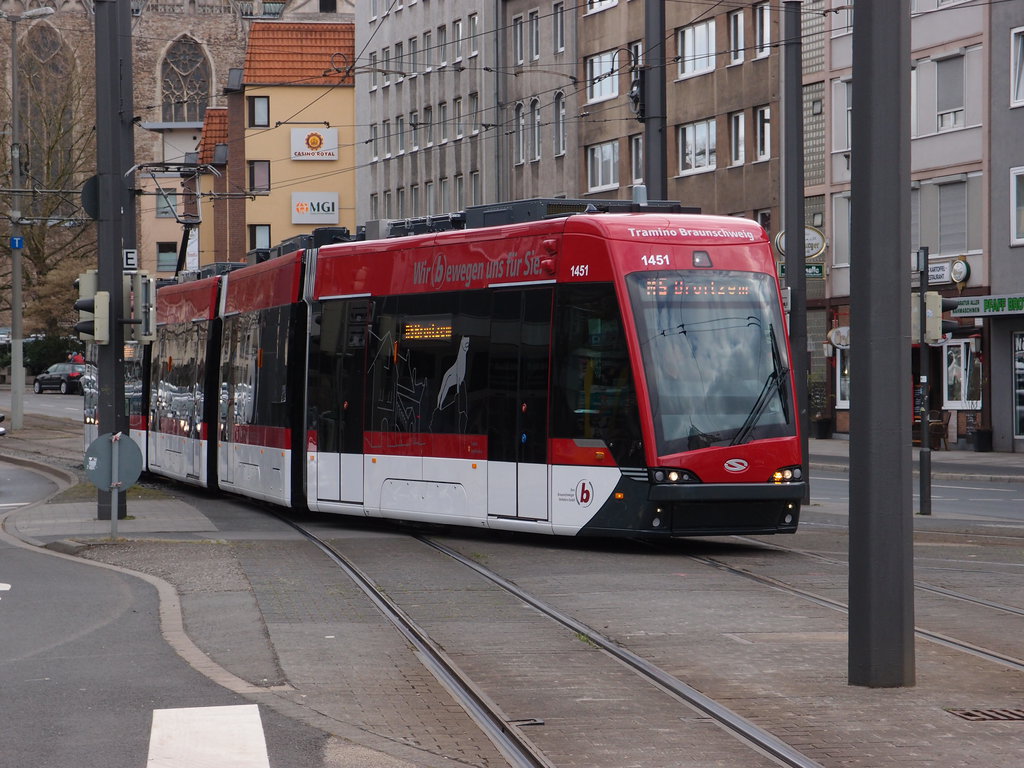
x=739 y=726
x=512 y=744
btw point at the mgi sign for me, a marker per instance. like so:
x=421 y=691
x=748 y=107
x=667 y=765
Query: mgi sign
x=315 y=208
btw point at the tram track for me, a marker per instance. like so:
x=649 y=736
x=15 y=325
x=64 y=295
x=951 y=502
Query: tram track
x=940 y=638
x=505 y=733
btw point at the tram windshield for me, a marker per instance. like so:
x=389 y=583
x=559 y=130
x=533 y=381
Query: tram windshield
x=714 y=356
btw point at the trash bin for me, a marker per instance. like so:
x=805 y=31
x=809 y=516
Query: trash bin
x=983 y=440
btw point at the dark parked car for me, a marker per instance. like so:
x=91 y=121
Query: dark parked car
x=65 y=378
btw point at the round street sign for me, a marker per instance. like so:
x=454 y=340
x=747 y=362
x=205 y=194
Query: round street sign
x=99 y=462
x=814 y=242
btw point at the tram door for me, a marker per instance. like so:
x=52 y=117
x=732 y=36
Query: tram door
x=517 y=475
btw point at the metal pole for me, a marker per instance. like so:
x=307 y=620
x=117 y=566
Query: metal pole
x=925 y=455
x=881 y=618
x=17 y=329
x=113 y=125
x=653 y=74
x=793 y=200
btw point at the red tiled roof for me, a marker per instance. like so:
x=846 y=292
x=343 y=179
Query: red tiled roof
x=215 y=131
x=299 y=53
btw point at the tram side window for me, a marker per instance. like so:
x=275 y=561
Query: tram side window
x=337 y=357
x=179 y=393
x=593 y=394
x=427 y=364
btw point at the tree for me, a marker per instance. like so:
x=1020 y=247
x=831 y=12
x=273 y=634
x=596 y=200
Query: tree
x=58 y=149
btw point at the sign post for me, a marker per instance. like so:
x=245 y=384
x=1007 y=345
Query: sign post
x=113 y=464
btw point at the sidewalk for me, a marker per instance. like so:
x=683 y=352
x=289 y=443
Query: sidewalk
x=834 y=454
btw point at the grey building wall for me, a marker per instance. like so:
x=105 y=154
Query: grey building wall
x=425 y=97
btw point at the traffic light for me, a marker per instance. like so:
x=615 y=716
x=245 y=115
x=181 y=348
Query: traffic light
x=935 y=327
x=93 y=309
x=144 y=307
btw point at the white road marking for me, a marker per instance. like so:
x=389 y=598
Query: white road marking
x=4 y=506
x=208 y=737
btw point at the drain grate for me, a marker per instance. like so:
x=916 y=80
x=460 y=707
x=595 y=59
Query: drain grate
x=987 y=715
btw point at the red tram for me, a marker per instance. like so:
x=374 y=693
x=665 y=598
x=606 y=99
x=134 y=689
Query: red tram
x=595 y=374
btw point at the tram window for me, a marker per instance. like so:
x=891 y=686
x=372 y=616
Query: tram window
x=593 y=394
x=337 y=347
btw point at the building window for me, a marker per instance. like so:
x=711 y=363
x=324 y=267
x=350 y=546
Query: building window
x=385 y=65
x=459 y=128
x=558 y=26
x=560 y=125
x=414 y=56
x=953 y=218
x=428 y=124
x=697 y=147
x=442 y=194
x=259 y=236
x=636 y=61
x=259 y=111
x=166 y=257
x=457 y=40
x=166 y=204
x=387 y=204
x=736 y=37
x=442 y=120
x=400 y=202
x=636 y=158
x=185 y=87
x=1017 y=206
x=695 y=46
x=1017 y=67
x=763 y=124
x=428 y=53
x=841 y=229
x=474 y=30
x=737 y=138
x=386 y=131
x=442 y=45
x=259 y=176
x=602 y=77
x=373 y=70
x=414 y=200
x=534 y=30
x=400 y=134
x=535 y=129
x=600 y=5
x=843 y=379
x=374 y=207
x=460 y=192
x=399 y=63
x=474 y=112
x=762 y=30
x=949 y=93
x=603 y=166
x=517 y=39
x=414 y=129
x=474 y=188
x=961 y=377
x=520 y=131
x=428 y=193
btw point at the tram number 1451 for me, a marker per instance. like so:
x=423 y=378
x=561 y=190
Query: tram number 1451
x=656 y=260
x=580 y=270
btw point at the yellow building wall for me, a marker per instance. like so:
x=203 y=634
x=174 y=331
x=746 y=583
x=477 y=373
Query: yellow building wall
x=304 y=108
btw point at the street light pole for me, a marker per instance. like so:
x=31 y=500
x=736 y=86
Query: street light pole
x=17 y=243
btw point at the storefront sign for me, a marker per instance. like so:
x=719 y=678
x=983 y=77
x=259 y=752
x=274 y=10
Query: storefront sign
x=315 y=208
x=318 y=144
x=982 y=306
x=840 y=337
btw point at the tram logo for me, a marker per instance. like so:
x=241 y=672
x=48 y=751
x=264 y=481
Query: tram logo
x=736 y=465
x=584 y=493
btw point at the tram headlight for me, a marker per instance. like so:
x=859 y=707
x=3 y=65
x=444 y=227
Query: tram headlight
x=787 y=475
x=673 y=476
